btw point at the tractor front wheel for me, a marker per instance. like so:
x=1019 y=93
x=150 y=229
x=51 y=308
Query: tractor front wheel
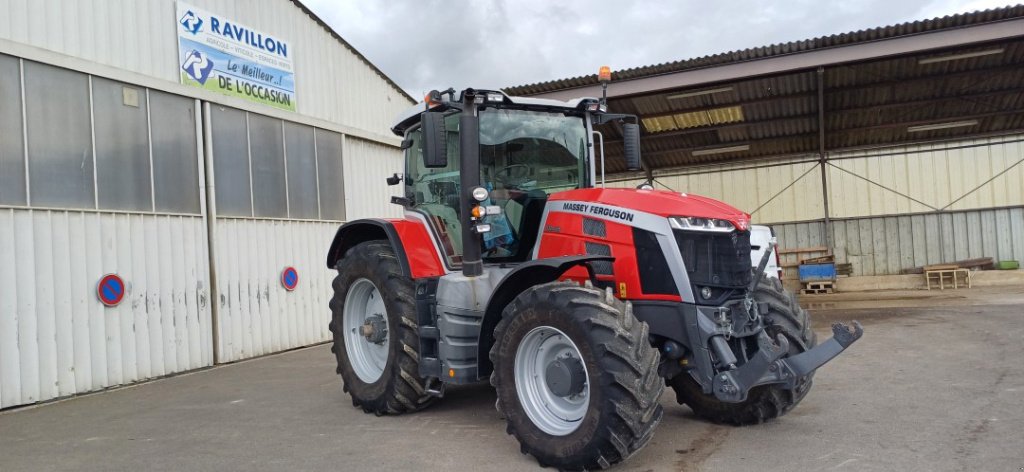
x=576 y=376
x=375 y=336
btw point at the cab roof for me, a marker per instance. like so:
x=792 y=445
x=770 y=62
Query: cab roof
x=410 y=116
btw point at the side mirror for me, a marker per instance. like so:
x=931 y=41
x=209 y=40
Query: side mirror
x=394 y=179
x=631 y=145
x=435 y=140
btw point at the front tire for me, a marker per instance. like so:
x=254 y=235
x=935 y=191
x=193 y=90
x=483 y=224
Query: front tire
x=576 y=376
x=376 y=342
x=764 y=402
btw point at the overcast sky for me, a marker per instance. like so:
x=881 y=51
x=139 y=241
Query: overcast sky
x=434 y=44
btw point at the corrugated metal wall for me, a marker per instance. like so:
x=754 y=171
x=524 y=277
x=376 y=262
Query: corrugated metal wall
x=367 y=195
x=980 y=173
x=788 y=190
x=256 y=315
x=892 y=208
x=331 y=82
x=57 y=339
x=886 y=245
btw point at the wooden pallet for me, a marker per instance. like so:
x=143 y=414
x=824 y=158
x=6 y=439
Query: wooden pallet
x=816 y=288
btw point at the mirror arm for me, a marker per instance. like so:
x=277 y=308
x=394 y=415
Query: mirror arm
x=603 y=118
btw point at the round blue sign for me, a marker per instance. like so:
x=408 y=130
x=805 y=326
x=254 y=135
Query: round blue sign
x=110 y=290
x=289 y=278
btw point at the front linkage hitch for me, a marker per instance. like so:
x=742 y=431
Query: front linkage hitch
x=769 y=367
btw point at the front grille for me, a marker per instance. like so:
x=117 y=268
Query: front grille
x=716 y=260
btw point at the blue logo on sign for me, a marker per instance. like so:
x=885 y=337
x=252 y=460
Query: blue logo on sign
x=197 y=66
x=191 y=22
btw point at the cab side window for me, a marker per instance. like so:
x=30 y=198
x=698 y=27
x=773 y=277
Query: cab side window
x=435 y=192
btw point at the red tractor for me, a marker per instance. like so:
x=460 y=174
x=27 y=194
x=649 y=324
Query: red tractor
x=579 y=303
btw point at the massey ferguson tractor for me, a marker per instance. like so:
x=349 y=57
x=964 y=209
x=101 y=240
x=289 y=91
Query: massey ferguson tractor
x=579 y=303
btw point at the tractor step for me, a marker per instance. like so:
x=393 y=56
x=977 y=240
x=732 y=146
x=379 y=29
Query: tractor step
x=817 y=288
x=434 y=387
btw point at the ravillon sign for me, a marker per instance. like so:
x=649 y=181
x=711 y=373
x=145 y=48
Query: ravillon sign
x=220 y=54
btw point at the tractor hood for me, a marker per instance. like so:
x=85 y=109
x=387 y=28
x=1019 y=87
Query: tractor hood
x=658 y=202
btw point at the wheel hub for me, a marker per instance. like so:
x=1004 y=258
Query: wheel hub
x=551 y=379
x=365 y=327
x=566 y=376
x=374 y=329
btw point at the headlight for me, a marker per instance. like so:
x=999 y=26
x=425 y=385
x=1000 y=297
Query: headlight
x=693 y=223
x=479 y=194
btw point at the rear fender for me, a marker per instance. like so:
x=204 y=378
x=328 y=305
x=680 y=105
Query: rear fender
x=524 y=276
x=409 y=238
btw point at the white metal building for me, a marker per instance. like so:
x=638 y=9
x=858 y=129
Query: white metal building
x=195 y=149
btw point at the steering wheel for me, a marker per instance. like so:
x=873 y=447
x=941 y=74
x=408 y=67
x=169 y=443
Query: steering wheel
x=512 y=176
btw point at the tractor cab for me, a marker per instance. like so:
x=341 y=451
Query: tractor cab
x=526 y=150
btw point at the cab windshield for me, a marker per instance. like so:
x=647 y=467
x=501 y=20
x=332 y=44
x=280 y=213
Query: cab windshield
x=525 y=156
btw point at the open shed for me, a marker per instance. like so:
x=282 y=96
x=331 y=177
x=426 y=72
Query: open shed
x=892 y=147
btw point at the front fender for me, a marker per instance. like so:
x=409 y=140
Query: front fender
x=409 y=238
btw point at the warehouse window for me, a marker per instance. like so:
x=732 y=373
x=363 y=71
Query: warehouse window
x=266 y=146
x=301 y=156
x=175 y=159
x=122 y=146
x=59 y=137
x=332 y=179
x=12 y=143
x=231 y=162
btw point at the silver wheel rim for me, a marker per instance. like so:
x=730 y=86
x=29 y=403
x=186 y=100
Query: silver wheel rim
x=555 y=415
x=363 y=304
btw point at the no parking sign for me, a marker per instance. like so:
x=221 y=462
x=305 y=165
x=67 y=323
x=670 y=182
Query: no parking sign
x=289 y=278
x=110 y=290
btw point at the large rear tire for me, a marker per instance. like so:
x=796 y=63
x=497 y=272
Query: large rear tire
x=376 y=342
x=576 y=376
x=767 y=401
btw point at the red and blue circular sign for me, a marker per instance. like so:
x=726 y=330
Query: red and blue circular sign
x=289 y=278
x=110 y=290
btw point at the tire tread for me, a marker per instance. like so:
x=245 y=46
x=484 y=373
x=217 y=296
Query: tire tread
x=405 y=391
x=629 y=376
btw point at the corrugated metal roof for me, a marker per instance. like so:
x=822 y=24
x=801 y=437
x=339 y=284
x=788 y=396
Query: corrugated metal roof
x=867 y=103
x=844 y=39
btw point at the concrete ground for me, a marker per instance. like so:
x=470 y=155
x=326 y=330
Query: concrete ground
x=935 y=384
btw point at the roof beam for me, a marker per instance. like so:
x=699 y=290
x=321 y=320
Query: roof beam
x=824 y=57
x=835 y=132
x=832 y=91
x=808 y=116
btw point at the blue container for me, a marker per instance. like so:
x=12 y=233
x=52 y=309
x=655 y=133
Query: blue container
x=817 y=272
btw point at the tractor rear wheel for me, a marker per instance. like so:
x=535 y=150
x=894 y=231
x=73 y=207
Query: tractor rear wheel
x=375 y=332
x=765 y=402
x=576 y=376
